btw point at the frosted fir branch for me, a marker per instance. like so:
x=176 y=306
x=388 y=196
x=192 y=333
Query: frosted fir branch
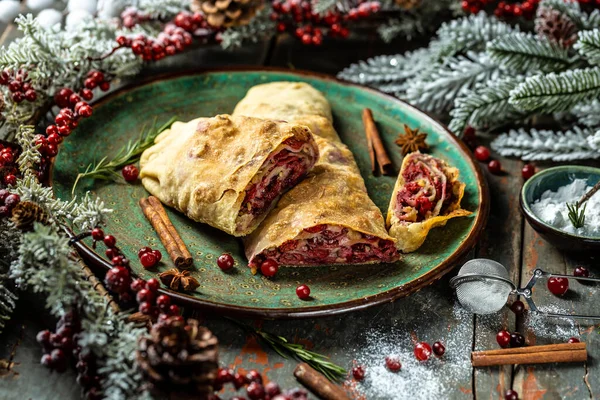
x=557 y=92
x=30 y=156
x=259 y=28
x=487 y=104
x=588 y=113
x=10 y=240
x=435 y=92
x=161 y=9
x=592 y=20
x=524 y=52
x=535 y=145
x=8 y=302
x=588 y=45
x=321 y=7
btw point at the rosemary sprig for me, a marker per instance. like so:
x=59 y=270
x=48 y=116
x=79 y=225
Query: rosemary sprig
x=577 y=214
x=284 y=348
x=106 y=169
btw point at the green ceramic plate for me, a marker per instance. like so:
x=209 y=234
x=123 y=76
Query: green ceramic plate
x=119 y=118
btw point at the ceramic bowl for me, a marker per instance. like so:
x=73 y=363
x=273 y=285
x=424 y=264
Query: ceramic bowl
x=552 y=179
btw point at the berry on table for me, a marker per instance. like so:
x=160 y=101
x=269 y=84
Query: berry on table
x=148 y=260
x=224 y=375
x=255 y=391
x=528 y=171
x=303 y=292
x=482 y=153
x=517 y=307
x=503 y=338
x=143 y=250
x=225 y=261
x=495 y=167
x=239 y=380
x=511 y=395
x=157 y=254
x=358 y=373
x=558 y=286
x=254 y=376
x=393 y=363
x=581 y=272
x=269 y=268
x=130 y=173
x=272 y=389
x=517 y=340
x=422 y=351
x=439 y=349
x=573 y=340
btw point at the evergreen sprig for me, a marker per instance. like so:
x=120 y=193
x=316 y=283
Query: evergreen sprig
x=106 y=169
x=576 y=214
x=285 y=349
x=588 y=45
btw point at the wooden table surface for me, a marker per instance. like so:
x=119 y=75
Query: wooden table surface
x=367 y=336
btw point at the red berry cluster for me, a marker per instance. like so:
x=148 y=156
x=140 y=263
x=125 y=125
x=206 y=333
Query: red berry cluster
x=255 y=390
x=60 y=345
x=18 y=85
x=8 y=169
x=157 y=307
x=131 y=16
x=525 y=9
x=481 y=153
x=506 y=339
x=423 y=350
x=174 y=38
x=8 y=201
x=474 y=6
x=298 y=17
x=96 y=79
x=87 y=374
x=149 y=257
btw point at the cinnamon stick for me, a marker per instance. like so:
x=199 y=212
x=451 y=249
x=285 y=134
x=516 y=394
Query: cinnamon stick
x=156 y=214
x=318 y=383
x=375 y=144
x=565 y=352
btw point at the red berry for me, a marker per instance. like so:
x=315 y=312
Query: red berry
x=174 y=309
x=98 y=76
x=87 y=94
x=163 y=301
x=517 y=340
x=43 y=337
x=528 y=171
x=85 y=111
x=573 y=340
x=6 y=156
x=122 y=40
x=157 y=254
x=138 y=285
x=558 y=286
x=62 y=120
x=18 y=97
x=64 y=130
x=15 y=86
x=306 y=39
x=110 y=241
x=10 y=180
x=503 y=338
x=495 y=167
x=482 y=153
x=439 y=349
x=90 y=83
x=30 y=95
x=104 y=86
x=581 y=272
x=239 y=380
x=269 y=269
x=145 y=295
x=148 y=260
x=511 y=395
x=358 y=373
x=224 y=375
x=12 y=200
x=517 y=307
x=393 y=363
x=225 y=261
x=422 y=351
x=255 y=391
x=46 y=361
x=130 y=173
x=469 y=132
x=51 y=129
x=143 y=250
x=303 y=292
x=62 y=97
x=111 y=252
x=55 y=139
x=138 y=47
x=117 y=279
x=152 y=284
x=145 y=307
x=97 y=234
x=51 y=150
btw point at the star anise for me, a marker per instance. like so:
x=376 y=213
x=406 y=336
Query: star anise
x=412 y=140
x=176 y=280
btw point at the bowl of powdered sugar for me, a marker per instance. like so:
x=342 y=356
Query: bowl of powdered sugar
x=544 y=199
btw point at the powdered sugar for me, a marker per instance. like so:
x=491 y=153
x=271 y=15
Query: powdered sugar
x=551 y=329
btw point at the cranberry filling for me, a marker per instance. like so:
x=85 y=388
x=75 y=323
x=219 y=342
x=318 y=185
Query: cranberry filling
x=325 y=244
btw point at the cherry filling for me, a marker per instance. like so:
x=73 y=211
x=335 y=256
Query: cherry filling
x=279 y=173
x=423 y=190
x=330 y=244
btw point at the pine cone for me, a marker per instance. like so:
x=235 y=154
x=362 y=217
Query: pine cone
x=408 y=4
x=555 y=26
x=227 y=13
x=26 y=213
x=178 y=359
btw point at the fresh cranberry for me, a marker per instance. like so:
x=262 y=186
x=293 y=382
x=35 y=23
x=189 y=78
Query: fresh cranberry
x=145 y=307
x=148 y=260
x=303 y=292
x=43 y=337
x=87 y=94
x=117 y=279
x=85 y=111
x=517 y=340
x=272 y=389
x=157 y=254
x=174 y=309
x=482 y=153
x=422 y=351
x=558 y=286
x=64 y=130
x=239 y=380
x=224 y=375
x=225 y=262
x=130 y=173
x=503 y=338
x=110 y=241
x=11 y=201
x=358 y=373
x=145 y=295
x=255 y=391
x=269 y=268
x=439 y=349
x=393 y=363
x=111 y=253
x=528 y=171
x=163 y=301
x=517 y=307
x=573 y=340
x=254 y=376
x=62 y=97
x=511 y=395
x=495 y=167
x=152 y=284
x=138 y=285
x=581 y=272
x=143 y=250
x=10 y=180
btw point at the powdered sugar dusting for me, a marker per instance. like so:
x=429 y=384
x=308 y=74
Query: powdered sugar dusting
x=551 y=329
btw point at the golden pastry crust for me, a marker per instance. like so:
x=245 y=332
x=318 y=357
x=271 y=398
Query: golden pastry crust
x=202 y=168
x=411 y=235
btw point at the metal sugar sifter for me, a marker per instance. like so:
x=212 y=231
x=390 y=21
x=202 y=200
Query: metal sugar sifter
x=483 y=286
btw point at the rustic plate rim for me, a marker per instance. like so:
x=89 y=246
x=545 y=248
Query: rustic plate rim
x=98 y=263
